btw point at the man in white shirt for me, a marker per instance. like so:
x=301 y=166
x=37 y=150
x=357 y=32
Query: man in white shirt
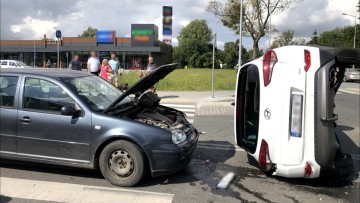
x=93 y=64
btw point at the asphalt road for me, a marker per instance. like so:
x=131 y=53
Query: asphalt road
x=215 y=156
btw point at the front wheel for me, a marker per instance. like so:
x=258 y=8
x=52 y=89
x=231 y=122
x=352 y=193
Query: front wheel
x=122 y=163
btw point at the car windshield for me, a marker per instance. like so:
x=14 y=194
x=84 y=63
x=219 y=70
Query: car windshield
x=96 y=92
x=353 y=70
x=21 y=63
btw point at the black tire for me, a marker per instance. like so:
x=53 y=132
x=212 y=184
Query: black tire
x=130 y=164
x=344 y=172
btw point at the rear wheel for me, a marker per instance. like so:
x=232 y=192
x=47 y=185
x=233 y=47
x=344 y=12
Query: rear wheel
x=122 y=163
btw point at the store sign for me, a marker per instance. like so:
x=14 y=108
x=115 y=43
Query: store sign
x=167 y=24
x=136 y=63
x=143 y=34
x=105 y=36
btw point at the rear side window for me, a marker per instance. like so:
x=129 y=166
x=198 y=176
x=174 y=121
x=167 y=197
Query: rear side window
x=7 y=91
x=44 y=96
x=12 y=64
x=4 y=63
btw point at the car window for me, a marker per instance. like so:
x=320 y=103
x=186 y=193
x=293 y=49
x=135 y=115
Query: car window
x=96 y=92
x=12 y=63
x=44 y=96
x=21 y=63
x=7 y=90
x=3 y=63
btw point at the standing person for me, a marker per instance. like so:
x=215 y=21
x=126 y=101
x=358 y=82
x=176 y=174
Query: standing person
x=48 y=64
x=106 y=71
x=149 y=69
x=115 y=66
x=93 y=64
x=151 y=66
x=75 y=64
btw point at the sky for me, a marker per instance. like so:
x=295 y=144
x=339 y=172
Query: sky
x=30 y=19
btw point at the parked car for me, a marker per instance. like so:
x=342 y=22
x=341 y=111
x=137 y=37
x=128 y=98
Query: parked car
x=77 y=119
x=351 y=74
x=13 y=64
x=284 y=111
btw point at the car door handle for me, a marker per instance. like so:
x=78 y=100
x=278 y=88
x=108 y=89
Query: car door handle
x=332 y=119
x=25 y=119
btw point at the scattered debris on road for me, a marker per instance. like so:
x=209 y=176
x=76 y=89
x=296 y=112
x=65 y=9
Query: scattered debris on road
x=225 y=181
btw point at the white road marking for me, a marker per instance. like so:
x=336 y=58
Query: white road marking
x=180 y=105
x=350 y=92
x=65 y=192
x=188 y=109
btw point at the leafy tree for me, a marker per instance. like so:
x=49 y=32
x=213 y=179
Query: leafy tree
x=194 y=47
x=339 y=37
x=256 y=15
x=89 y=32
x=287 y=38
x=231 y=52
x=314 y=38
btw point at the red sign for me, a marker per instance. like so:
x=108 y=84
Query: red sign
x=136 y=63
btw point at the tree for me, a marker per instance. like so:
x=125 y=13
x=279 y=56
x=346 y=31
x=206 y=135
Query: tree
x=231 y=51
x=287 y=38
x=194 y=47
x=339 y=37
x=256 y=15
x=314 y=38
x=89 y=32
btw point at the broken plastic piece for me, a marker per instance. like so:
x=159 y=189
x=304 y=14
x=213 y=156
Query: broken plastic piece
x=225 y=181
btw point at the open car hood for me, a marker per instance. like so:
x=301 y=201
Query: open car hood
x=145 y=83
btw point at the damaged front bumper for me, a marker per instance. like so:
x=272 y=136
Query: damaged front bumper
x=171 y=158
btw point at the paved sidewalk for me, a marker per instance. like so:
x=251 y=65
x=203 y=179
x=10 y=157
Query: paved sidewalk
x=206 y=105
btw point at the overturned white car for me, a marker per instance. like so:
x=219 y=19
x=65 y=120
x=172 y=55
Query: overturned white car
x=284 y=115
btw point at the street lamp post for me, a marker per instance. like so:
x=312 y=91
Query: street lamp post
x=240 y=33
x=355 y=30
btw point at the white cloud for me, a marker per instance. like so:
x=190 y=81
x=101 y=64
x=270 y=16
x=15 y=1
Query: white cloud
x=184 y=23
x=37 y=17
x=37 y=26
x=220 y=44
x=175 y=42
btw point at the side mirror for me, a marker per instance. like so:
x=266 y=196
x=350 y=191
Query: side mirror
x=68 y=111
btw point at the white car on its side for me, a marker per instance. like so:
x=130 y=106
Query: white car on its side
x=13 y=64
x=284 y=111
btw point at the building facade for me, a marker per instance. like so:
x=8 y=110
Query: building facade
x=132 y=52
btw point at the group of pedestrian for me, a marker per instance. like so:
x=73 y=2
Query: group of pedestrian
x=108 y=69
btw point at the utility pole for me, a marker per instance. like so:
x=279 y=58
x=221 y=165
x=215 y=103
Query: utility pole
x=213 y=67
x=34 y=55
x=354 y=28
x=58 y=36
x=240 y=33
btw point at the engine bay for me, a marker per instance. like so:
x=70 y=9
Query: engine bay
x=146 y=109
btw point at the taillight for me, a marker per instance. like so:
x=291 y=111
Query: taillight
x=308 y=170
x=269 y=61
x=307 y=58
x=264 y=157
x=296 y=115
